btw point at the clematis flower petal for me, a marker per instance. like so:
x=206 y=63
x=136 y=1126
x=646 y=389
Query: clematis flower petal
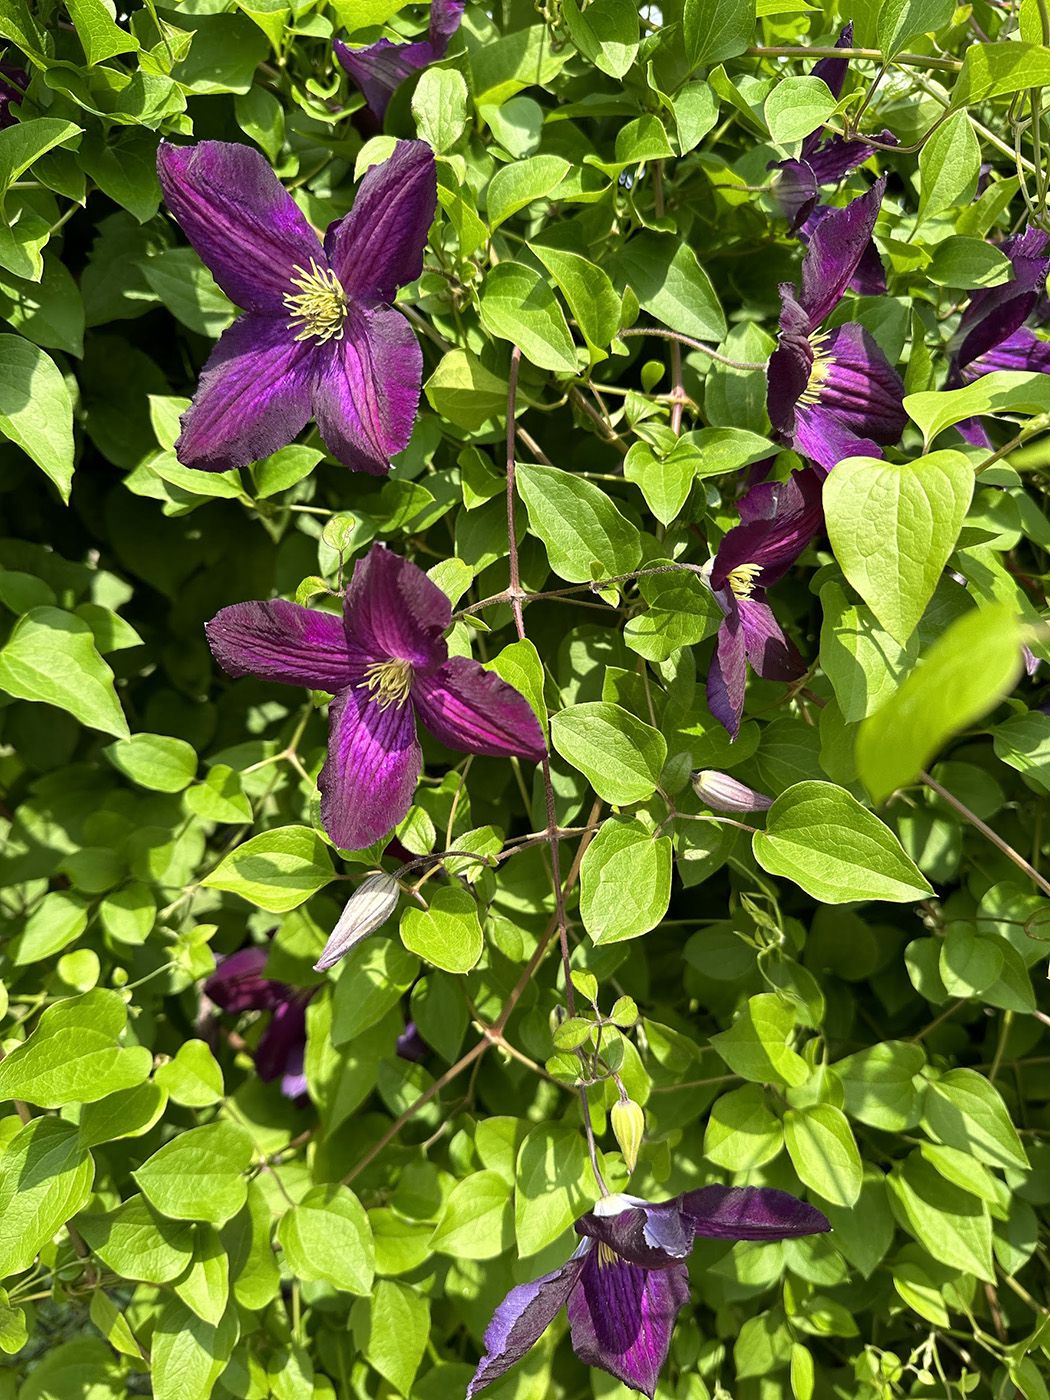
x=778 y=520
x=750 y=1213
x=1023 y=350
x=854 y=395
x=253 y=396
x=727 y=674
x=393 y=610
x=238 y=984
x=653 y=1236
x=380 y=68
x=836 y=158
x=522 y=1318
x=279 y=641
x=372 y=768
x=367 y=389
x=994 y=315
x=472 y=710
x=13 y=84
x=285 y=1035
x=379 y=246
x=621 y=1317
x=242 y=221
x=833 y=70
x=795 y=190
x=835 y=249
x=772 y=655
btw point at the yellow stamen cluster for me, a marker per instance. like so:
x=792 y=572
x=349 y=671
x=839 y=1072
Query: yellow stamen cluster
x=606 y=1254
x=389 y=681
x=742 y=579
x=319 y=306
x=822 y=365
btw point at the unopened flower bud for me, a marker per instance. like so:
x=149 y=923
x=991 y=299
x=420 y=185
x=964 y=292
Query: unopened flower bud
x=628 y=1125
x=370 y=905
x=726 y=794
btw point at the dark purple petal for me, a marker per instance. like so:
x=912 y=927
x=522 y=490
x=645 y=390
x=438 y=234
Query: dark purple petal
x=445 y=18
x=238 y=984
x=974 y=432
x=13 y=83
x=279 y=641
x=521 y=1319
x=869 y=280
x=835 y=249
x=778 y=520
x=411 y=1045
x=471 y=710
x=379 y=246
x=794 y=190
x=282 y=1039
x=621 y=1317
x=750 y=1213
x=790 y=365
x=1023 y=350
x=994 y=315
x=772 y=655
x=367 y=389
x=653 y=1236
x=381 y=68
x=833 y=70
x=394 y=611
x=293 y=1078
x=854 y=398
x=727 y=675
x=373 y=764
x=253 y=396
x=242 y=221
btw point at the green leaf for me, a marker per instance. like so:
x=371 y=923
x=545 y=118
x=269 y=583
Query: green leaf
x=965 y=1111
x=670 y=284
x=36 y=412
x=881 y=1086
x=219 y=797
x=193 y=1078
x=464 y=391
x=968 y=262
x=127 y=1113
x=478 y=1219
x=439 y=105
x=893 y=528
x=24 y=143
x=517 y=305
x=820 y=836
x=73 y=1056
x=391 y=1329
x=49 y=312
x=189 y=291
x=606 y=32
x=519 y=664
x=965 y=673
x=591 y=296
x=742 y=1132
x=254 y=1275
x=823 y=1151
x=625 y=881
x=205 y=1288
x=97 y=31
x=50 y=657
x=276 y=870
x=1023 y=741
x=796 y=107
x=199 y=1175
x=45 y=1178
x=1004 y=391
x=585 y=535
x=715 y=30
x=901 y=21
x=515 y=186
x=327 y=1237
x=138 y=1244
x=58 y=920
x=996 y=70
x=861 y=660
x=619 y=755
x=155 y=761
x=448 y=933
x=187 y=1355
x=947 y=1221
x=756 y=1044
x=551 y=1179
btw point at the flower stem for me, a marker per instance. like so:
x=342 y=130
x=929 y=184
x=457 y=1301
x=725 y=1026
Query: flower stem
x=914 y=60
x=680 y=339
x=987 y=832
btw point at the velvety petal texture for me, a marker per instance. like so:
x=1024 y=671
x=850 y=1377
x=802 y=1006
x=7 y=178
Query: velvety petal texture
x=727 y=674
x=750 y=1213
x=994 y=315
x=837 y=246
x=522 y=1318
x=382 y=67
x=778 y=519
x=472 y=710
x=393 y=611
x=379 y=246
x=772 y=655
x=854 y=396
x=373 y=765
x=279 y=641
x=238 y=984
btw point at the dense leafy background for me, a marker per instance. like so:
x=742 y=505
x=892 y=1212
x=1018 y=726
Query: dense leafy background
x=854 y=1008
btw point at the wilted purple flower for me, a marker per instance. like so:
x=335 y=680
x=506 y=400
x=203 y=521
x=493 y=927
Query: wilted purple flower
x=626 y=1281
x=777 y=520
x=318 y=336
x=382 y=67
x=13 y=84
x=238 y=985
x=388 y=666
x=992 y=333
x=832 y=394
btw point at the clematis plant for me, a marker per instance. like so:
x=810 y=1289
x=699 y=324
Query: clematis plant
x=387 y=664
x=238 y=985
x=626 y=1282
x=319 y=336
x=381 y=68
x=777 y=521
x=13 y=84
x=832 y=394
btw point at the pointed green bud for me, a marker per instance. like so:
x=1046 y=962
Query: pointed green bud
x=628 y=1125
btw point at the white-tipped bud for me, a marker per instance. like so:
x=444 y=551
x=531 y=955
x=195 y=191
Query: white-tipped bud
x=370 y=905
x=726 y=794
x=628 y=1124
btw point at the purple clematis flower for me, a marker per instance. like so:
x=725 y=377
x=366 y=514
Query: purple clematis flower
x=387 y=664
x=777 y=521
x=992 y=333
x=832 y=394
x=238 y=985
x=319 y=336
x=382 y=67
x=626 y=1282
x=13 y=84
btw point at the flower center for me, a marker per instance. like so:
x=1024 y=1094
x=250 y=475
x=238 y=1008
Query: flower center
x=822 y=366
x=389 y=681
x=606 y=1255
x=319 y=306
x=742 y=579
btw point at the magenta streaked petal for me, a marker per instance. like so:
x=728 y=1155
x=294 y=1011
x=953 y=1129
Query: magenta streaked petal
x=282 y=1038
x=773 y=656
x=253 y=396
x=621 y=1317
x=382 y=67
x=836 y=158
x=825 y=439
x=750 y=1213
x=394 y=611
x=471 y=710
x=653 y=1236
x=835 y=249
x=372 y=768
x=367 y=389
x=445 y=19
x=1023 y=350
x=293 y=1079
x=241 y=220
x=280 y=641
x=379 y=246
x=522 y=1318
x=861 y=387
x=833 y=70
x=790 y=364
x=778 y=520
x=238 y=984
x=727 y=674
x=995 y=314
